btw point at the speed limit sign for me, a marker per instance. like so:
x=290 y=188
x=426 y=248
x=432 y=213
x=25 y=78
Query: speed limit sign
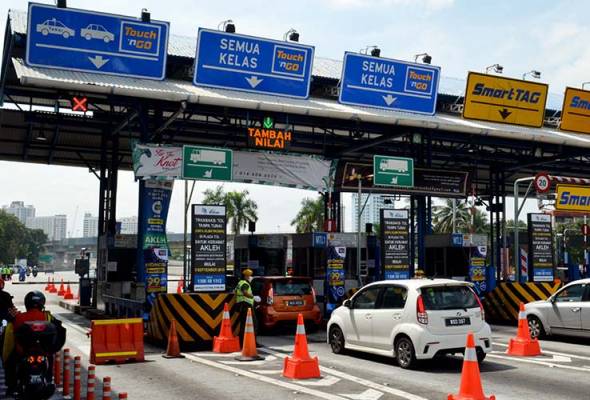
x=542 y=182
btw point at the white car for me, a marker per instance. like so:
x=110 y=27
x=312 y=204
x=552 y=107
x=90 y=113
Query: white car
x=410 y=320
x=55 y=27
x=566 y=312
x=95 y=31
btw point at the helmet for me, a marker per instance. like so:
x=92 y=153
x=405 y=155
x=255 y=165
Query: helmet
x=35 y=299
x=247 y=272
x=1 y=284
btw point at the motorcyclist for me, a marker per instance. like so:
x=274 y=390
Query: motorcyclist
x=7 y=309
x=35 y=305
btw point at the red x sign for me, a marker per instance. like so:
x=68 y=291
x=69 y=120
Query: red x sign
x=80 y=104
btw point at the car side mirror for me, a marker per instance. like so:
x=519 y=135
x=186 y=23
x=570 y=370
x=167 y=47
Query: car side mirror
x=347 y=303
x=552 y=299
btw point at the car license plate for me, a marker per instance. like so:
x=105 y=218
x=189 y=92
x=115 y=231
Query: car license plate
x=294 y=303
x=458 y=321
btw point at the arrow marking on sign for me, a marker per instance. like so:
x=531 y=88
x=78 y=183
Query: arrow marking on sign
x=389 y=99
x=254 y=81
x=504 y=113
x=98 y=61
x=369 y=394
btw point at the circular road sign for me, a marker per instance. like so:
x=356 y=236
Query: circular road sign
x=585 y=230
x=542 y=182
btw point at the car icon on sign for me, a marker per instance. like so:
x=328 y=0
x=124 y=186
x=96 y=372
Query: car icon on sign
x=55 y=27
x=94 y=31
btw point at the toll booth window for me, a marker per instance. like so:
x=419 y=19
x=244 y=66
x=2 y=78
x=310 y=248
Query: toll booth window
x=367 y=299
x=448 y=298
x=292 y=288
x=571 y=293
x=394 y=297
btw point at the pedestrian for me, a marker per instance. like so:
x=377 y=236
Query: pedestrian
x=245 y=300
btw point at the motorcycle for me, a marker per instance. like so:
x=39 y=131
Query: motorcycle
x=39 y=340
x=28 y=269
x=35 y=272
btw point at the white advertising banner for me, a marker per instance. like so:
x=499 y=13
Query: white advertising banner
x=152 y=161
x=280 y=169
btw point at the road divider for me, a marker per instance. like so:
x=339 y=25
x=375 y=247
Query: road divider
x=116 y=340
x=502 y=303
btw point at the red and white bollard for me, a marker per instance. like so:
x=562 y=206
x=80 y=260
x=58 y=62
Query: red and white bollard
x=77 y=371
x=91 y=383
x=57 y=369
x=66 y=374
x=106 y=388
x=122 y=396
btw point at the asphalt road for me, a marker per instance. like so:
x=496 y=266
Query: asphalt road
x=563 y=372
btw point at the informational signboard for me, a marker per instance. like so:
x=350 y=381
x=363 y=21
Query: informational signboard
x=231 y=61
x=572 y=198
x=505 y=100
x=390 y=84
x=393 y=171
x=90 y=41
x=335 y=277
x=441 y=183
x=153 y=161
x=207 y=163
x=541 y=266
x=208 y=248
x=477 y=268
x=395 y=244
x=575 y=114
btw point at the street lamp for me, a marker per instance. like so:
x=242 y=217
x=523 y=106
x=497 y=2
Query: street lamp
x=375 y=51
x=496 y=67
x=291 y=35
x=426 y=58
x=533 y=73
x=227 y=26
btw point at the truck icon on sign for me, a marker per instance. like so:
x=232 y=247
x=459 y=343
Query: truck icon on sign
x=208 y=156
x=393 y=165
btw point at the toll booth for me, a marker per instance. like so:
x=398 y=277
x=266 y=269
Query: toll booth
x=264 y=254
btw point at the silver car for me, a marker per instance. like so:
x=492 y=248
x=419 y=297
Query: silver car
x=95 y=31
x=567 y=312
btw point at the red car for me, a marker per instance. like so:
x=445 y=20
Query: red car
x=283 y=298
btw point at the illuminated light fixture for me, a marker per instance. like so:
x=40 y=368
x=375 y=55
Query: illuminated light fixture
x=227 y=26
x=496 y=67
x=375 y=51
x=533 y=73
x=145 y=15
x=61 y=3
x=426 y=58
x=79 y=104
x=291 y=35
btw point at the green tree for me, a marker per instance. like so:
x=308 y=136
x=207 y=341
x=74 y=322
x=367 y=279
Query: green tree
x=16 y=241
x=442 y=218
x=35 y=239
x=310 y=217
x=241 y=208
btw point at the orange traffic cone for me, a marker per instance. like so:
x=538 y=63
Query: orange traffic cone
x=249 y=352
x=61 y=290
x=471 y=388
x=48 y=286
x=301 y=365
x=53 y=289
x=173 y=348
x=180 y=286
x=522 y=344
x=226 y=342
x=68 y=295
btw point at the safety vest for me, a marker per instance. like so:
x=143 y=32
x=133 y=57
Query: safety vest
x=240 y=296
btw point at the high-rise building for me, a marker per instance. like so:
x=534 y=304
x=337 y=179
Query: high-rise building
x=20 y=211
x=371 y=212
x=128 y=225
x=55 y=227
x=90 y=228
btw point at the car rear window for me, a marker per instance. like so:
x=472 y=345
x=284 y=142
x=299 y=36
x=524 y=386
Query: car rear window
x=448 y=298
x=292 y=287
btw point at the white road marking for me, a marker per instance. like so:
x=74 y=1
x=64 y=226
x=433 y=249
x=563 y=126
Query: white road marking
x=539 y=362
x=267 y=371
x=327 y=381
x=369 y=394
x=211 y=354
x=557 y=353
x=262 y=378
x=361 y=381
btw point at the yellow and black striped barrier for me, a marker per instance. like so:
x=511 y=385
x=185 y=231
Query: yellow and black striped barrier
x=198 y=318
x=502 y=303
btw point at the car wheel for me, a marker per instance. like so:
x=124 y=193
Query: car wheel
x=481 y=355
x=66 y=35
x=106 y=39
x=404 y=353
x=45 y=32
x=336 y=340
x=536 y=329
x=87 y=36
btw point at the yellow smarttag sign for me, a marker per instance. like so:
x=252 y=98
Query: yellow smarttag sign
x=505 y=100
x=572 y=198
x=575 y=114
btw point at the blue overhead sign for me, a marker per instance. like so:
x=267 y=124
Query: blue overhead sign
x=390 y=84
x=88 y=41
x=229 y=61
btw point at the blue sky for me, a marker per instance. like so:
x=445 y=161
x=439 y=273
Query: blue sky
x=460 y=35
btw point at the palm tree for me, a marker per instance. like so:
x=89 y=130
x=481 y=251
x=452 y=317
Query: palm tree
x=241 y=209
x=310 y=217
x=443 y=217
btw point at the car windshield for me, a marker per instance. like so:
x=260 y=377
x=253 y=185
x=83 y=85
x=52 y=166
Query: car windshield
x=60 y=24
x=448 y=298
x=292 y=287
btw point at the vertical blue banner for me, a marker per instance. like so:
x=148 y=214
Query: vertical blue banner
x=335 y=278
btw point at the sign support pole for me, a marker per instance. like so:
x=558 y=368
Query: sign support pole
x=358 y=231
x=517 y=272
x=184 y=261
